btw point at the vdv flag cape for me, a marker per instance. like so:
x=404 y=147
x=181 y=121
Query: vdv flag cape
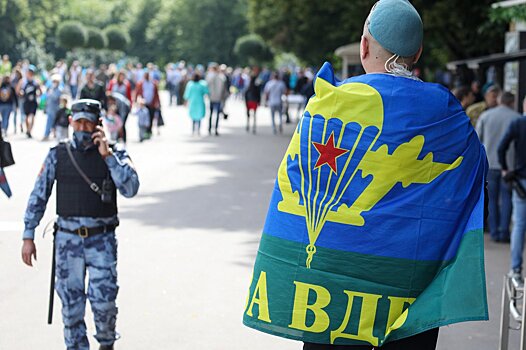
x=375 y=226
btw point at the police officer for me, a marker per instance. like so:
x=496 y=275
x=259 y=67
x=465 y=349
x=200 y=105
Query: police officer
x=88 y=171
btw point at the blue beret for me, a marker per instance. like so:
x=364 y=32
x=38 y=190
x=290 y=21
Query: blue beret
x=397 y=26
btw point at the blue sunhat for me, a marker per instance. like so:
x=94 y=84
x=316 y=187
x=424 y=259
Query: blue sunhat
x=397 y=27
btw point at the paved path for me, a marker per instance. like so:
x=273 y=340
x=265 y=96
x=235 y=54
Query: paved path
x=187 y=243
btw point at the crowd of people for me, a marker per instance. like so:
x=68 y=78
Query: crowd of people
x=499 y=126
x=134 y=89
x=278 y=90
x=120 y=90
x=398 y=237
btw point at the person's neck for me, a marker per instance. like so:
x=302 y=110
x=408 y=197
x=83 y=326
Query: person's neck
x=380 y=69
x=375 y=70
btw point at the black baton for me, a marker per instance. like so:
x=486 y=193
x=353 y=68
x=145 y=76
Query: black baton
x=52 y=282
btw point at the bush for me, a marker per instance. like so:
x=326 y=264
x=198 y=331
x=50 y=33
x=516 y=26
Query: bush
x=71 y=34
x=96 y=39
x=118 y=39
x=35 y=53
x=252 y=49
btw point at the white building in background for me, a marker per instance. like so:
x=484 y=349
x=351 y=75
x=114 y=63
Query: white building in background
x=350 y=55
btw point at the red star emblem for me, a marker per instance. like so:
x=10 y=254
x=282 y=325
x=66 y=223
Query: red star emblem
x=328 y=153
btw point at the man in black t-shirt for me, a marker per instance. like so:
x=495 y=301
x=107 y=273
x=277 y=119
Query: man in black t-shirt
x=30 y=90
x=93 y=89
x=61 y=122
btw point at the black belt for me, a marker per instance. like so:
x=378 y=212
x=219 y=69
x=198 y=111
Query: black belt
x=85 y=232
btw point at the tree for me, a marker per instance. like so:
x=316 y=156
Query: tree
x=140 y=46
x=251 y=49
x=43 y=19
x=71 y=34
x=508 y=14
x=96 y=38
x=313 y=30
x=13 y=14
x=310 y=29
x=196 y=31
x=454 y=30
x=96 y=13
x=118 y=39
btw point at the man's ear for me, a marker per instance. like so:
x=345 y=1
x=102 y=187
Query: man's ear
x=70 y=118
x=364 y=47
x=418 y=54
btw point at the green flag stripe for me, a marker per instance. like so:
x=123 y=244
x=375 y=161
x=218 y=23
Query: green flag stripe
x=361 y=296
x=393 y=275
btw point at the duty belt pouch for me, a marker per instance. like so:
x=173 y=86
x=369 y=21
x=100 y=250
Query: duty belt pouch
x=107 y=190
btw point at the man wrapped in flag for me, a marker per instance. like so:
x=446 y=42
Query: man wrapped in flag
x=374 y=235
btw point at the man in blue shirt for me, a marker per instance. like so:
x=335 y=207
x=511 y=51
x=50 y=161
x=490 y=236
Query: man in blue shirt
x=87 y=218
x=516 y=134
x=491 y=127
x=274 y=91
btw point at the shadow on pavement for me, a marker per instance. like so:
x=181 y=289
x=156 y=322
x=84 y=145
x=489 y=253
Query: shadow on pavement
x=237 y=200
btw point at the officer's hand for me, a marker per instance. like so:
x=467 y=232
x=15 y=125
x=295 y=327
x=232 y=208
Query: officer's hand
x=504 y=173
x=29 y=250
x=99 y=138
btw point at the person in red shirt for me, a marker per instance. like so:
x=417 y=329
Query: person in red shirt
x=148 y=89
x=121 y=85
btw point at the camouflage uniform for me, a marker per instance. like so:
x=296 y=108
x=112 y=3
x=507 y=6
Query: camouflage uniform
x=75 y=255
x=475 y=110
x=98 y=255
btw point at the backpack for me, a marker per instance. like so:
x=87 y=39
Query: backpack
x=5 y=93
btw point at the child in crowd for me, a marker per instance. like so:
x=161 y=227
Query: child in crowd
x=61 y=122
x=144 y=119
x=113 y=122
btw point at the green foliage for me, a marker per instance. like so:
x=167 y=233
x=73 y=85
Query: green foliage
x=71 y=34
x=196 y=31
x=314 y=29
x=207 y=30
x=96 y=13
x=310 y=29
x=452 y=34
x=93 y=57
x=25 y=23
x=96 y=38
x=35 y=53
x=13 y=14
x=508 y=14
x=118 y=39
x=143 y=19
x=43 y=19
x=251 y=49
x=286 y=60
